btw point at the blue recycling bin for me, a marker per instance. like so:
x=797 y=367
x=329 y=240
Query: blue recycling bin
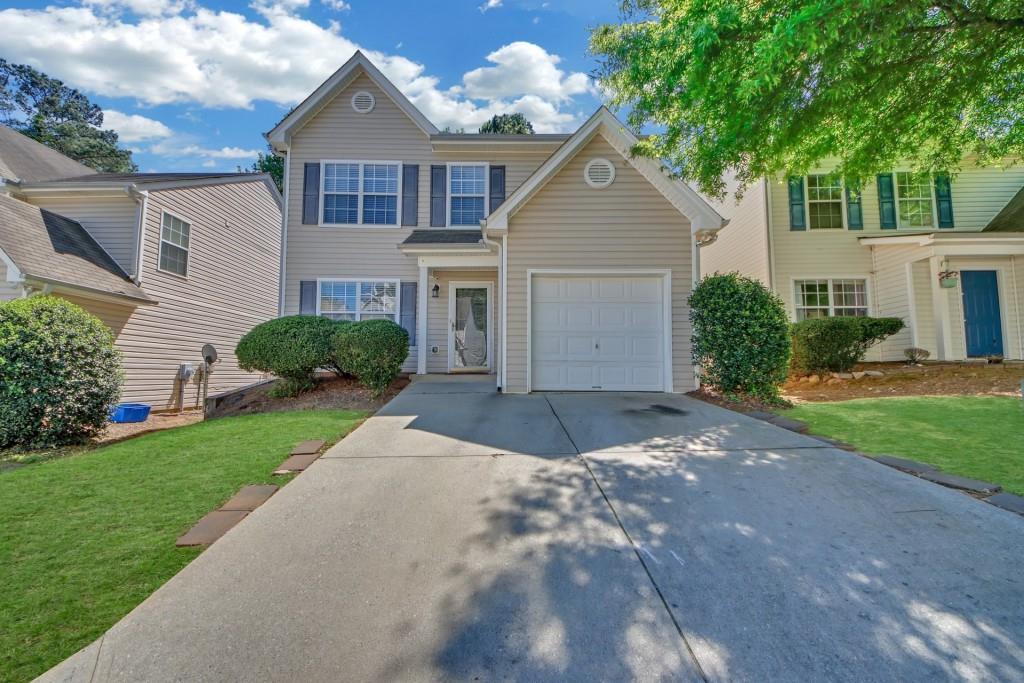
x=130 y=412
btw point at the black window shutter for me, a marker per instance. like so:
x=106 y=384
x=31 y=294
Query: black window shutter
x=307 y=297
x=886 y=202
x=497 y=187
x=854 y=213
x=797 y=220
x=438 y=191
x=311 y=193
x=407 y=314
x=944 y=200
x=410 y=193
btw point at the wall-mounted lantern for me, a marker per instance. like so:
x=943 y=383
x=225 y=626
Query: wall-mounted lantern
x=435 y=291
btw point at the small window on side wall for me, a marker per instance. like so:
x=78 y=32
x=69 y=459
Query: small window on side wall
x=830 y=297
x=174 y=245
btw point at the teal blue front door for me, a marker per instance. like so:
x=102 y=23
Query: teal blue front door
x=983 y=326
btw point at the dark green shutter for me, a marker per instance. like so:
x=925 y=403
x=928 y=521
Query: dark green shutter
x=886 y=202
x=854 y=213
x=797 y=218
x=944 y=200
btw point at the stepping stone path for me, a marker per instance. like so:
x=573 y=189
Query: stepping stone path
x=211 y=527
x=303 y=455
x=250 y=497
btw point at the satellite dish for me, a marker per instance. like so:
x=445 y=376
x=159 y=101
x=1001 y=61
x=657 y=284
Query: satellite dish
x=209 y=354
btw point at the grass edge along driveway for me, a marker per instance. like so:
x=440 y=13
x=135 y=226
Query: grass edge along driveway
x=973 y=436
x=84 y=539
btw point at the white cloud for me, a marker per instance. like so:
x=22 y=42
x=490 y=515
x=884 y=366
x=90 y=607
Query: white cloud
x=337 y=5
x=134 y=128
x=209 y=163
x=167 y=51
x=175 y=148
x=490 y=4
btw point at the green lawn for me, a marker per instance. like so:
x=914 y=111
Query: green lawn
x=86 y=538
x=974 y=436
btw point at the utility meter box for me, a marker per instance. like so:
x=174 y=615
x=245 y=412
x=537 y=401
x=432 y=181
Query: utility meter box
x=185 y=371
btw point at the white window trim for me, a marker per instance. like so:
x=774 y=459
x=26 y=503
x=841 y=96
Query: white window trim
x=868 y=294
x=842 y=204
x=359 y=207
x=359 y=316
x=896 y=199
x=160 y=248
x=448 y=190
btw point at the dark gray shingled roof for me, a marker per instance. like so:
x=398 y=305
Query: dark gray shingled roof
x=444 y=237
x=1011 y=218
x=22 y=158
x=49 y=247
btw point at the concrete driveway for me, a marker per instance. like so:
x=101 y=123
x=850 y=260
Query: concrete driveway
x=464 y=535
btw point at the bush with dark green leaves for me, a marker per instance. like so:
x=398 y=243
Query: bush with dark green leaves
x=292 y=348
x=372 y=351
x=60 y=373
x=740 y=336
x=836 y=344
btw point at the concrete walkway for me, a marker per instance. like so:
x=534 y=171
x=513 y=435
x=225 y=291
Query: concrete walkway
x=464 y=535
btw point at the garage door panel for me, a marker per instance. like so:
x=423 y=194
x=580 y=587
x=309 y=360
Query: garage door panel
x=598 y=333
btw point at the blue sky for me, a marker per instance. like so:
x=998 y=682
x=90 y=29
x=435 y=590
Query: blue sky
x=193 y=84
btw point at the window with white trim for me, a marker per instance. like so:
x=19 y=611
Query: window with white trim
x=828 y=297
x=174 y=241
x=358 y=193
x=824 y=202
x=358 y=299
x=914 y=200
x=467 y=192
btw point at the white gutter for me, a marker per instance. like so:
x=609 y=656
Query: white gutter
x=284 y=237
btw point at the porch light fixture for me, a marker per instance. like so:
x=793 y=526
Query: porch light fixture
x=436 y=291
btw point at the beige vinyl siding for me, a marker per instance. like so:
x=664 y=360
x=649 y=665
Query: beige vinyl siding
x=889 y=291
x=387 y=134
x=568 y=224
x=923 y=312
x=231 y=286
x=742 y=245
x=8 y=290
x=438 y=321
x=112 y=221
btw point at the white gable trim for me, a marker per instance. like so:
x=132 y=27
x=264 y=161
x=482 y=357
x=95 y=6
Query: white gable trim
x=280 y=136
x=702 y=217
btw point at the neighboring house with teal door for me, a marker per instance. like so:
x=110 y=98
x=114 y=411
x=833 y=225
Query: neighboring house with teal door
x=944 y=253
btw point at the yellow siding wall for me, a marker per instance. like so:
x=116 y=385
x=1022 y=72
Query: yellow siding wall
x=232 y=285
x=742 y=245
x=112 y=221
x=568 y=224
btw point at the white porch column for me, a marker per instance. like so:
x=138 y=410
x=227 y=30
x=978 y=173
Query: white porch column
x=940 y=311
x=422 y=295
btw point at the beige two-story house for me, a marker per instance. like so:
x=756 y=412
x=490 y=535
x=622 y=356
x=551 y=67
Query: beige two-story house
x=169 y=261
x=945 y=254
x=551 y=261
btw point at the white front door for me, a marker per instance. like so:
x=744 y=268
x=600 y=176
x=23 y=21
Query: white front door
x=598 y=333
x=469 y=327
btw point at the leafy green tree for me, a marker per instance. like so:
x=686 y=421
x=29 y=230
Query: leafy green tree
x=60 y=117
x=268 y=163
x=778 y=85
x=508 y=124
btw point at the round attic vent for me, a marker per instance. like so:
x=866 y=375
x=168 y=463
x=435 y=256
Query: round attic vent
x=363 y=102
x=599 y=173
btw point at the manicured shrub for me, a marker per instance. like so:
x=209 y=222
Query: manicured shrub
x=836 y=344
x=292 y=348
x=740 y=336
x=60 y=373
x=372 y=351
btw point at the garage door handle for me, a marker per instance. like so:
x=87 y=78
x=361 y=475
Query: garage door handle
x=597 y=346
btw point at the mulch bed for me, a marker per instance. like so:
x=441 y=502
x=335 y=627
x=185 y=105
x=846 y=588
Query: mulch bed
x=931 y=379
x=331 y=392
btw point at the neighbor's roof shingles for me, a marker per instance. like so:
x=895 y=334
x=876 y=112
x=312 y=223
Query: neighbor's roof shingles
x=1011 y=218
x=24 y=159
x=49 y=247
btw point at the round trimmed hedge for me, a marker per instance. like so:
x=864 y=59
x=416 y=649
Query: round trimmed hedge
x=372 y=351
x=292 y=347
x=740 y=336
x=60 y=373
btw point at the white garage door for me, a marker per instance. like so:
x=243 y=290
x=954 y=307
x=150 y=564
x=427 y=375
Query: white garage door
x=602 y=333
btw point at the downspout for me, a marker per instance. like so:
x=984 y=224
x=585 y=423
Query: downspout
x=284 y=238
x=768 y=236
x=142 y=197
x=1016 y=307
x=501 y=281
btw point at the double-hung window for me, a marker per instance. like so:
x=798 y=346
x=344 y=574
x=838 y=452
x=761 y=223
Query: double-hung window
x=914 y=199
x=824 y=202
x=360 y=193
x=358 y=299
x=467 y=192
x=174 y=241
x=830 y=297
